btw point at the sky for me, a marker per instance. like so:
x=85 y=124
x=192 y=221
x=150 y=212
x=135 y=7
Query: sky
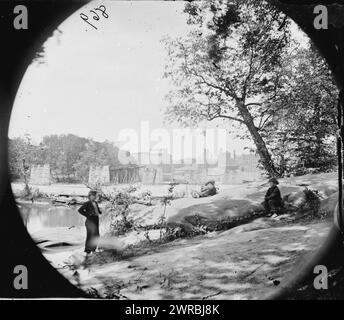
x=103 y=83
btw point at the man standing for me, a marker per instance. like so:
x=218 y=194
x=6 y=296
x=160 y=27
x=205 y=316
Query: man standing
x=91 y=211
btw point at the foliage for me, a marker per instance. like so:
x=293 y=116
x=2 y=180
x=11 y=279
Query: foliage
x=312 y=201
x=23 y=154
x=119 y=208
x=95 y=153
x=239 y=64
x=61 y=152
x=229 y=67
x=69 y=156
x=301 y=136
x=166 y=200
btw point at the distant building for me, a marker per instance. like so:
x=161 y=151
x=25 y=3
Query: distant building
x=242 y=168
x=229 y=169
x=155 y=166
x=125 y=174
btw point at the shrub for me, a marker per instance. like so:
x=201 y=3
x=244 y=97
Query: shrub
x=119 y=207
x=312 y=201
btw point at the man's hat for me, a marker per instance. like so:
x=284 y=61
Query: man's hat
x=92 y=193
x=211 y=182
x=274 y=180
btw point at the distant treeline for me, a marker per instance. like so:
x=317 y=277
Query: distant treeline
x=69 y=156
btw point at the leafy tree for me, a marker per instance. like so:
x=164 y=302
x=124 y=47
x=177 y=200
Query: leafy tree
x=62 y=152
x=302 y=134
x=22 y=155
x=229 y=67
x=69 y=156
x=98 y=154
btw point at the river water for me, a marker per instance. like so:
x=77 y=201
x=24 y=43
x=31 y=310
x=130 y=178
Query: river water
x=41 y=216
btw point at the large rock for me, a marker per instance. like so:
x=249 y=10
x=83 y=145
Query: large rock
x=213 y=212
x=238 y=203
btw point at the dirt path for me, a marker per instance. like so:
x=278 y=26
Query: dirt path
x=235 y=264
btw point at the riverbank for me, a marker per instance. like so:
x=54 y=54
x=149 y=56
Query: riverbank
x=247 y=262
x=75 y=190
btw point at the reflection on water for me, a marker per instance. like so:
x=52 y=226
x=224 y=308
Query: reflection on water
x=41 y=216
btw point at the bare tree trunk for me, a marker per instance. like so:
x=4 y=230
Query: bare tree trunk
x=262 y=150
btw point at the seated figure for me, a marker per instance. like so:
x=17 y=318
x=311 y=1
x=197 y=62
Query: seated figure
x=207 y=190
x=273 y=200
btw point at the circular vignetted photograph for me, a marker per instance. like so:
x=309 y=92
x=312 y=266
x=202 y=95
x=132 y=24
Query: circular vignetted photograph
x=176 y=150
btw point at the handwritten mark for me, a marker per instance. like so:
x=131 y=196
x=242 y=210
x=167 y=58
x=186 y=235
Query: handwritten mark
x=94 y=14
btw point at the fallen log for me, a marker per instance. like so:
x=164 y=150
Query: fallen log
x=69 y=202
x=72 y=195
